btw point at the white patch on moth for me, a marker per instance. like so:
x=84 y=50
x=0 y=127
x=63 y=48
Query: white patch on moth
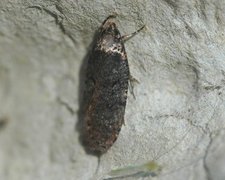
x=109 y=46
x=115 y=48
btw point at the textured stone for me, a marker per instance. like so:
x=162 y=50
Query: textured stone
x=177 y=118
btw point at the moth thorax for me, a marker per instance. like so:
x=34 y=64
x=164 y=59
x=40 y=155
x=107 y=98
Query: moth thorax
x=110 y=44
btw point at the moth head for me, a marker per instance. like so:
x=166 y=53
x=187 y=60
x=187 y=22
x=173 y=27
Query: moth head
x=110 y=30
x=109 y=39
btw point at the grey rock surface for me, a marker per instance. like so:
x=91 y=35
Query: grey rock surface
x=177 y=118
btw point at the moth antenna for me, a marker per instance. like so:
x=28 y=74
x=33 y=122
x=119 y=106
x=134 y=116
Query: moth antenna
x=127 y=37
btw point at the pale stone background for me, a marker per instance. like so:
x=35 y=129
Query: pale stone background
x=177 y=118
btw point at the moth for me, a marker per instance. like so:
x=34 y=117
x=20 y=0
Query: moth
x=106 y=87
